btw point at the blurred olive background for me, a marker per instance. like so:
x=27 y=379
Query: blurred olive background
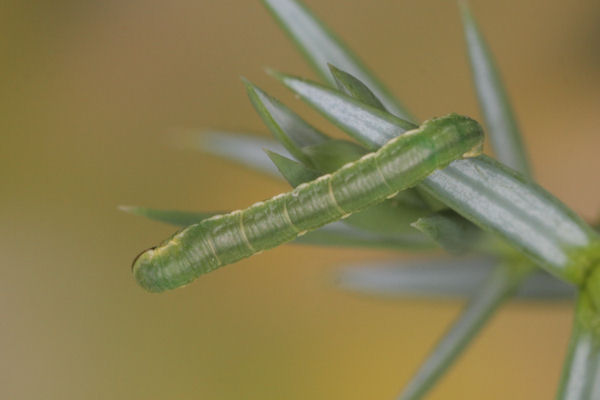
x=93 y=94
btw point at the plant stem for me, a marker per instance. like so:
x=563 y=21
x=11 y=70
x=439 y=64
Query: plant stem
x=581 y=375
x=498 y=287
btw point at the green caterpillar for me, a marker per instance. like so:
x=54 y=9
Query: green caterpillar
x=225 y=239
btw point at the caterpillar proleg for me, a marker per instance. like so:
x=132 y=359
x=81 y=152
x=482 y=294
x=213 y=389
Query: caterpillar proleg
x=224 y=239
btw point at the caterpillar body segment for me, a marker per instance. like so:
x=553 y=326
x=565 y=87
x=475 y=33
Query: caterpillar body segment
x=225 y=239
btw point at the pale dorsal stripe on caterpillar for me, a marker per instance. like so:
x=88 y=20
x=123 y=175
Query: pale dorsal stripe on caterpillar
x=225 y=239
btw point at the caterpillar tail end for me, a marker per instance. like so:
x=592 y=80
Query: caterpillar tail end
x=475 y=151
